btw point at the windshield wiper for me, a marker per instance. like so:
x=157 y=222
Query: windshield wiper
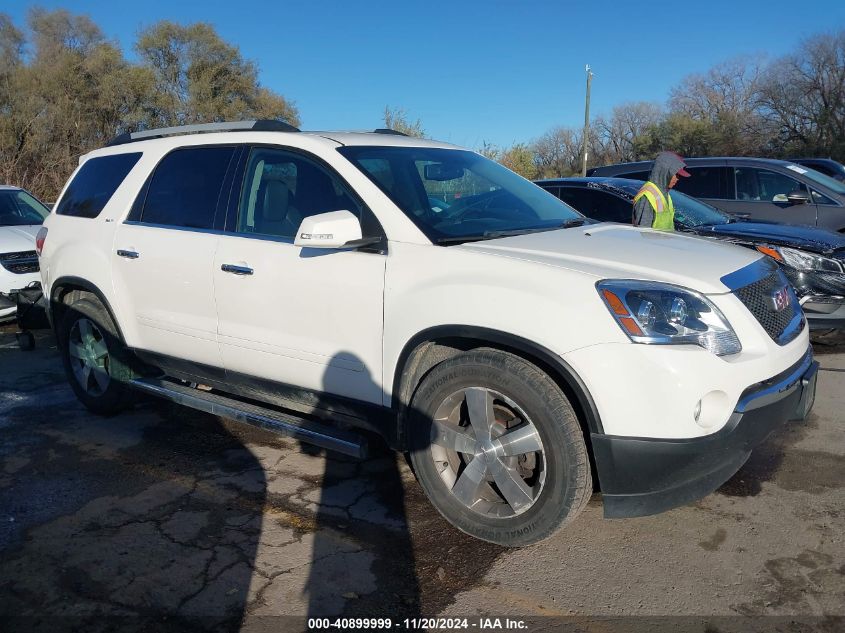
x=489 y=235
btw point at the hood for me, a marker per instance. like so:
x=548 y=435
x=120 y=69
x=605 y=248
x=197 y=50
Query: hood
x=616 y=251
x=803 y=237
x=665 y=166
x=14 y=239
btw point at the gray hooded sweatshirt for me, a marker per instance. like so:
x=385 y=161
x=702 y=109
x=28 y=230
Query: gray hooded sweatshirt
x=666 y=165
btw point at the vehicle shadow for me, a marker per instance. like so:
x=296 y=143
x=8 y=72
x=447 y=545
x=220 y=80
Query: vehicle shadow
x=149 y=520
x=363 y=540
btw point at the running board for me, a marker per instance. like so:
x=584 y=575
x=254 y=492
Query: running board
x=324 y=436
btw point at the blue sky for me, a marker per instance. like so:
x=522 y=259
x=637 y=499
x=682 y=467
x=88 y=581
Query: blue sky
x=474 y=71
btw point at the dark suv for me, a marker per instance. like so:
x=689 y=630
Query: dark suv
x=827 y=166
x=759 y=188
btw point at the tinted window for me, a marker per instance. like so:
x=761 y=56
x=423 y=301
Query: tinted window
x=281 y=188
x=598 y=205
x=635 y=175
x=185 y=187
x=94 y=184
x=764 y=185
x=703 y=182
x=18 y=208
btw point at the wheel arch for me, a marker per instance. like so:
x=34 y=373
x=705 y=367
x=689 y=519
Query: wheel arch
x=434 y=345
x=64 y=286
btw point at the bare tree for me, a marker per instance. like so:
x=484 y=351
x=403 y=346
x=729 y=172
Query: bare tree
x=557 y=153
x=725 y=99
x=397 y=119
x=618 y=136
x=803 y=97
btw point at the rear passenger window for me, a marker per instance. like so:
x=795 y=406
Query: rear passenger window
x=598 y=205
x=185 y=188
x=635 y=175
x=95 y=184
x=703 y=182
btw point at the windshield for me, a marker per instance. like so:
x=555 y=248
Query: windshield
x=454 y=194
x=18 y=208
x=819 y=178
x=692 y=213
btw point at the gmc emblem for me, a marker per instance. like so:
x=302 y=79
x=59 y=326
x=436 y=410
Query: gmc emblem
x=780 y=299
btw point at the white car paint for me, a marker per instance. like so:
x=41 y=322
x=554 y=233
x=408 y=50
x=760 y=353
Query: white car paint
x=16 y=239
x=354 y=313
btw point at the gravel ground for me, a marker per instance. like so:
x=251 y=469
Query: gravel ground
x=165 y=518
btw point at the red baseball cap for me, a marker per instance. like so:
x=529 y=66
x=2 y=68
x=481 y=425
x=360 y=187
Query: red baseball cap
x=681 y=172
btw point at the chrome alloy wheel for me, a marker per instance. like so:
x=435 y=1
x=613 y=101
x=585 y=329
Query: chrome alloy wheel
x=488 y=452
x=89 y=357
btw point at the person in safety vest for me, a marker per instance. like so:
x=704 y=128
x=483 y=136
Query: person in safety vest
x=652 y=205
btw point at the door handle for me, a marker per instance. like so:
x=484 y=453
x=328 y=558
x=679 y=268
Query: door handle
x=128 y=254
x=236 y=270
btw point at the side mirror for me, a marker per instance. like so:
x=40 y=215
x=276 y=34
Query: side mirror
x=335 y=229
x=798 y=197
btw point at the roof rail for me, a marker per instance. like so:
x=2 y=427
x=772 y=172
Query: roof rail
x=259 y=125
x=384 y=130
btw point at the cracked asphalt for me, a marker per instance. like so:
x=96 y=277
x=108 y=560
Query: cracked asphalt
x=194 y=522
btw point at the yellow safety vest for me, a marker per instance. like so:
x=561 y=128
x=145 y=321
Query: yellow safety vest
x=664 y=210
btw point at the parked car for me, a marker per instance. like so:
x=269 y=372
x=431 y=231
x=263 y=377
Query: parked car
x=812 y=259
x=826 y=166
x=304 y=281
x=760 y=188
x=21 y=215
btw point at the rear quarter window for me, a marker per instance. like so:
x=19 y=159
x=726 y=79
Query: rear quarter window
x=94 y=185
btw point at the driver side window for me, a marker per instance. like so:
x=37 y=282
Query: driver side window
x=764 y=185
x=282 y=188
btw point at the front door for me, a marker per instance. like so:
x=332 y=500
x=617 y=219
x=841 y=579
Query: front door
x=163 y=255
x=309 y=318
x=761 y=193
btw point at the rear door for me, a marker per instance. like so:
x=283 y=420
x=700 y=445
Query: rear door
x=598 y=205
x=310 y=318
x=164 y=251
x=761 y=193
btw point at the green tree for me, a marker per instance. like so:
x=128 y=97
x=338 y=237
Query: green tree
x=201 y=78
x=520 y=158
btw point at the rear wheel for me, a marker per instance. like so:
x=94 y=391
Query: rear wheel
x=96 y=362
x=498 y=449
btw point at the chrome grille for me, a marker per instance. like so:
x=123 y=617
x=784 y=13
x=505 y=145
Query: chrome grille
x=20 y=263
x=757 y=297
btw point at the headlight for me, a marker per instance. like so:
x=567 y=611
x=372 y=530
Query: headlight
x=801 y=260
x=657 y=313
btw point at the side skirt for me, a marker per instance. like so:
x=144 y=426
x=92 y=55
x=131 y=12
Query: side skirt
x=341 y=412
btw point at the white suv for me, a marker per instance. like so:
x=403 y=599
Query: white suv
x=329 y=285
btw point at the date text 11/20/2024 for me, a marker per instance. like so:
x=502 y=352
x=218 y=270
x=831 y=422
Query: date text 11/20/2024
x=446 y=624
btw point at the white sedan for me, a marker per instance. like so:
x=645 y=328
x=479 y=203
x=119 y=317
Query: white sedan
x=21 y=215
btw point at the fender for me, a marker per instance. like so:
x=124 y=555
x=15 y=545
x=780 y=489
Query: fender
x=559 y=368
x=79 y=282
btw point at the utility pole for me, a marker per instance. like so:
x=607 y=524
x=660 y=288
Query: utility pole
x=586 y=120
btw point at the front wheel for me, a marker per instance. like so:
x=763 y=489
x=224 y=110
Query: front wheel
x=498 y=448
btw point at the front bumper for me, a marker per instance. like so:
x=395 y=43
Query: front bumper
x=641 y=476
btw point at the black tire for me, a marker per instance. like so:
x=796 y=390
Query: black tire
x=114 y=396
x=511 y=384
x=26 y=341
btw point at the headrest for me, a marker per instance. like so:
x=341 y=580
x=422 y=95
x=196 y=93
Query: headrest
x=275 y=203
